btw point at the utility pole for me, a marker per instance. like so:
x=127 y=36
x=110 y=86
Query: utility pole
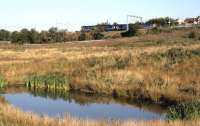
x=169 y=22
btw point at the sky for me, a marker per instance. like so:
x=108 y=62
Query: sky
x=72 y=14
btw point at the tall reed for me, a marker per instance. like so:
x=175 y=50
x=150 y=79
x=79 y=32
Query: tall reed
x=48 y=81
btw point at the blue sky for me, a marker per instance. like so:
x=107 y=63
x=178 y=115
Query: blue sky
x=71 y=14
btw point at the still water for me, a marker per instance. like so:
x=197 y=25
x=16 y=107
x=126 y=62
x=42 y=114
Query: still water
x=59 y=104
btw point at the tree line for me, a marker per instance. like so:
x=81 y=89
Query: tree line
x=162 y=22
x=50 y=36
x=58 y=35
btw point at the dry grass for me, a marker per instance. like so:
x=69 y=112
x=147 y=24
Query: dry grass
x=123 y=67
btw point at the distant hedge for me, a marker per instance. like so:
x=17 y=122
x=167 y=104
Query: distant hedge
x=52 y=35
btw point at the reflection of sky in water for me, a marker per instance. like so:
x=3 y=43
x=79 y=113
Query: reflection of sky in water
x=59 y=107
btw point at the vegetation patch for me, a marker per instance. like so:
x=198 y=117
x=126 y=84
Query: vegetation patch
x=133 y=30
x=185 y=111
x=177 y=55
x=2 y=81
x=173 y=56
x=192 y=35
x=122 y=62
x=48 y=81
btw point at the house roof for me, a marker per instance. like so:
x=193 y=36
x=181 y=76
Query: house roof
x=192 y=20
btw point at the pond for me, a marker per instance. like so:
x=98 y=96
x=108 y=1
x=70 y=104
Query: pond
x=83 y=106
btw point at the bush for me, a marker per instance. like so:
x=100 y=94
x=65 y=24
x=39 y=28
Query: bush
x=128 y=33
x=112 y=35
x=184 y=111
x=162 y=21
x=156 y=30
x=177 y=55
x=192 y=35
x=122 y=62
x=196 y=52
x=82 y=36
x=133 y=29
x=96 y=35
x=173 y=56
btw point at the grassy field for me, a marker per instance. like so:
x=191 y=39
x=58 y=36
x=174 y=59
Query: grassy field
x=163 y=68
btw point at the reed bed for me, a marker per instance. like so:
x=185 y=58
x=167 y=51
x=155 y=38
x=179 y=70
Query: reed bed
x=2 y=81
x=49 y=81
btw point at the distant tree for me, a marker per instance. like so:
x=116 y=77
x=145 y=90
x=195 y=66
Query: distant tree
x=96 y=34
x=34 y=36
x=43 y=37
x=162 y=21
x=24 y=36
x=60 y=35
x=82 y=36
x=16 y=37
x=101 y=26
x=52 y=34
x=4 y=35
x=133 y=29
x=115 y=25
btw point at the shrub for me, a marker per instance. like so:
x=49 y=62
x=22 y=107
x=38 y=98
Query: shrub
x=160 y=42
x=113 y=36
x=177 y=55
x=82 y=36
x=173 y=56
x=128 y=33
x=122 y=62
x=192 y=35
x=196 y=52
x=156 y=30
x=133 y=29
x=184 y=111
x=96 y=35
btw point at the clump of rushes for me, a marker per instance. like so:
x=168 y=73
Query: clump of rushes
x=2 y=81
x=185 y=111
x=48 y=81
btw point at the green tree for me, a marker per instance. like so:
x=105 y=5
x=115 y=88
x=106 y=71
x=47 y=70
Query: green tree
x=162 y=21
x=52 y=34
x=133 y=29
x=16 y=37
x=25 y=36
x=4 y=35
x=82 y=36
x=61 y=35
x=43 y=37
x=34 y=36
x=96 y=34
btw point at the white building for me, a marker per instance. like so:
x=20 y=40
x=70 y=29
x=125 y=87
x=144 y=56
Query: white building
x=180 y=21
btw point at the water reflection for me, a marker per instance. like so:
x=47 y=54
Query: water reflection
x=58 y=103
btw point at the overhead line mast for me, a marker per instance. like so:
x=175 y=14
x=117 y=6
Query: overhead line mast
x=132 y=16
